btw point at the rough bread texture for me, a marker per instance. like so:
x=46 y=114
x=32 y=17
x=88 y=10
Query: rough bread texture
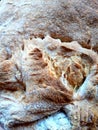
x=41 y=78
x=48 y=65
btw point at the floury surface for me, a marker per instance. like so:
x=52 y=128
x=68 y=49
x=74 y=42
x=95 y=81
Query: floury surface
x=47 y=79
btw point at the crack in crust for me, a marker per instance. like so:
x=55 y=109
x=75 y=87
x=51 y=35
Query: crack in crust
x=49 y=74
